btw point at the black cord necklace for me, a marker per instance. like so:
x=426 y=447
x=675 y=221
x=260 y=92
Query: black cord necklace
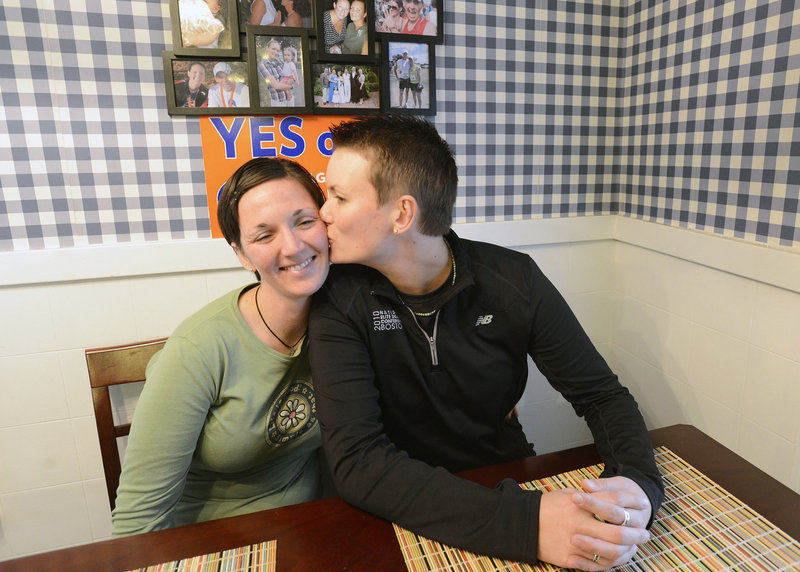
x=290 y=348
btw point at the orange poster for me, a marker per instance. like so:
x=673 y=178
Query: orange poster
x=229 y=142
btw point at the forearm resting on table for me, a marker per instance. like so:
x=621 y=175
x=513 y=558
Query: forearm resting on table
x=583 y=529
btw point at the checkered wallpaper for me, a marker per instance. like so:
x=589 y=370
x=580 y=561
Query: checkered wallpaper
x=679 y=112
x=708 y=119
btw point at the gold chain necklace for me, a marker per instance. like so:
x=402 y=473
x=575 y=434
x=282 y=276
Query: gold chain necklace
x=452 y=282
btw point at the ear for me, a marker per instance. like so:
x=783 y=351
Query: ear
x=404 y=213
x=243 y=260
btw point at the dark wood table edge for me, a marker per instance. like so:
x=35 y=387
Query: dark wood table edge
x=366 y=533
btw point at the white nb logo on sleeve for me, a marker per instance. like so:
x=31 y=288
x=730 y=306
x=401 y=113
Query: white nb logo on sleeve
x=483 y=320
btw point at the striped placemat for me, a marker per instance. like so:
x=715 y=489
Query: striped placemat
x=700 y=527
x=252 y=558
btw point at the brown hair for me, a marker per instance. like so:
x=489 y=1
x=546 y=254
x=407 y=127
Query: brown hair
x=407 y=156
x=252 y=174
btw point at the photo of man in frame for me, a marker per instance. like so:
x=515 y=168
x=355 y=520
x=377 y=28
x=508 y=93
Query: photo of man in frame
x=231 y=88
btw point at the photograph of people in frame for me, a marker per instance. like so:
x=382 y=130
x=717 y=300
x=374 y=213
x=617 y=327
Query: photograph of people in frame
x=344 y=31
x=279 y=68
x=409 y=17
x=191 y=91
x=408 y=69
x=205 y=27
x=346 y=88
x=201 y=86
x=230 y=88
x=286 y=13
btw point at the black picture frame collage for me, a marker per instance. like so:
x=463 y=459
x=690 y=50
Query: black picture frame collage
x=302 y=57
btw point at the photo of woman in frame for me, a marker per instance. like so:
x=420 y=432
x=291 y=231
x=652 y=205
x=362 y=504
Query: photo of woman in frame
x=191 y=90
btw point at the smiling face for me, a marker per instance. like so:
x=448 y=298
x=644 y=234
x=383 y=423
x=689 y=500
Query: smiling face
x=196 y=76
x=357 y=11
x=283 y=238
x=412 y=8
x=341 y=9
x=273 y=50
x=358 y=227
x=288 y=55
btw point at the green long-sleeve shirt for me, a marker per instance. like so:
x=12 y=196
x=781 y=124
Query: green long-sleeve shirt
x=225 y=425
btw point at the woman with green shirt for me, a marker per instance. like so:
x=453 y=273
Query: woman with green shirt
x=226 y=423
x=355 y=37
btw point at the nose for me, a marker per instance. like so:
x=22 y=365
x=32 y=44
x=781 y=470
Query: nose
x=324 y=213
x=291 y=243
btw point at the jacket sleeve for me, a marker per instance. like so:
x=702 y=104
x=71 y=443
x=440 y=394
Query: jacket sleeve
x=567 y=358
x=169 y=417
x=371 y=473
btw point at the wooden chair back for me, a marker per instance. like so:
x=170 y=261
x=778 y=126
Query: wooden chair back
x=115 y=365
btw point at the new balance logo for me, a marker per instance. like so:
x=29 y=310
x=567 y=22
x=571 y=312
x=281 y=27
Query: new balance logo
x=483 y=320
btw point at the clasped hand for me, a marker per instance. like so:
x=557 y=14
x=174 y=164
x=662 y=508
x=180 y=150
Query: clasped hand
x=582 y=528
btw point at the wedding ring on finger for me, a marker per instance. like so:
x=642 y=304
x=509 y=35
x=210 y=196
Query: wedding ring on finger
x=596 y=558
x=627 y=518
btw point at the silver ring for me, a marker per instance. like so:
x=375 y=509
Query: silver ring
x=627 y=518
x=596 y=558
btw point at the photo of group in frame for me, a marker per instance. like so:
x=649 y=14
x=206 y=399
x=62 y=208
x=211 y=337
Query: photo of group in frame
x=348 y=89
x=241 y=57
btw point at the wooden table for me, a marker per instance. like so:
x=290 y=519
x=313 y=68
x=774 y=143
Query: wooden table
x=331 y=535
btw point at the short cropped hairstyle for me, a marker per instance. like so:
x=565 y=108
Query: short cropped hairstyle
x=407 y=156
x=252 y=174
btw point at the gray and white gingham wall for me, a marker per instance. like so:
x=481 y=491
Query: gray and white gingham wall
x=683 y=113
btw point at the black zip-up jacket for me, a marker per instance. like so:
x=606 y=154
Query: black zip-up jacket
x=400 y=410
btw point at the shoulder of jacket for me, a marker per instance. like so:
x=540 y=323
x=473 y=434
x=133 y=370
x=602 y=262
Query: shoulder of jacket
x=497 y=258
x=345 y=283
x=500 y=265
